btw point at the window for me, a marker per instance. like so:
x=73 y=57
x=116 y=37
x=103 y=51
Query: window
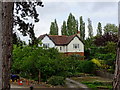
x=60 y=48
x=75 y=46
x=46 y=45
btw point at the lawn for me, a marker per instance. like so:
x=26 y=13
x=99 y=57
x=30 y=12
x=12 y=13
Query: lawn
x=95 y=82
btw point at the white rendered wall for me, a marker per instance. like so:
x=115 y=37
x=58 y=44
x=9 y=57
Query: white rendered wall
x=46 y=40
x=75 y=41
x=63 y=49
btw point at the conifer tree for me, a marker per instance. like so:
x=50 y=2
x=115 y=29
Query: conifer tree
x=99 y=29
x=72 y=25
x=90 y=28
x=54 y=28
x=64 y=28
x=82 y=28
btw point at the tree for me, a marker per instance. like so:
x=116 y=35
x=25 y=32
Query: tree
x=99 y=29
x=54 y=28
x=22 y=12
x=72 y=25
x=111 y=29
x=82 y=28
x=17 y=41
x=64 y=28
x=102 y=40
x=90 y=29
x=116 y=81
x=24 y=9
x=6 y=18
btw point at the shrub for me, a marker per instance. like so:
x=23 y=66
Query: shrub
x=97 y=62
x=88 y=67
x=56 y=80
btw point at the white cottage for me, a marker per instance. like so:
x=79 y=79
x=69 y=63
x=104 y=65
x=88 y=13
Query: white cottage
x=65 y=44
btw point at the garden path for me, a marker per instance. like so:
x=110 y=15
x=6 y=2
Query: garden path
x=74 y=84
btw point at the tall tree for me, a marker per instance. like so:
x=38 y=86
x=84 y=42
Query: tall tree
x=99 y=29
x=111 y=29
x=54 y=28
x=23 y=10
x=6 y=18
x=82 y=28
x=90 y=28
x=64 y=28
x=72 y=25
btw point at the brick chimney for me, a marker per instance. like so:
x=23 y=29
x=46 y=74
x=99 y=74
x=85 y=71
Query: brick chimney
x=78 y=33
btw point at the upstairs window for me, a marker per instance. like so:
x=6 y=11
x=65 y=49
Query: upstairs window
x=75 y=46
x=46 y=45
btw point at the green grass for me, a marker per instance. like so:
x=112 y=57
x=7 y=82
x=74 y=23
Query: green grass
x=94 y=82
x=96 y=85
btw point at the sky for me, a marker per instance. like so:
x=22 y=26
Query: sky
x=104 y=12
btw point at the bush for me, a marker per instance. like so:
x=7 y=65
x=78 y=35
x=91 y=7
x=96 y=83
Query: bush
x=56 y=80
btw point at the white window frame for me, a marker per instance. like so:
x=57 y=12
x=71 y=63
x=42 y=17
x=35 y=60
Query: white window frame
x=76 y=46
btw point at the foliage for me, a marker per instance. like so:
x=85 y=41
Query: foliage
x=56 y=80
x=72 y=25
x=102 y=40
x=28 y=61
x=17 y=41
x=24 y=11
x=54 y=28
x=111 y=47
x=97 y=62
x=99 y=29
x=64 y=28
x=111 y=29
x=82 y=28
x=90 y=28
x=96 y=85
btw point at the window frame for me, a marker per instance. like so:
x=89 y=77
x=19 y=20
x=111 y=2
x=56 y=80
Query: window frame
x=76 y=46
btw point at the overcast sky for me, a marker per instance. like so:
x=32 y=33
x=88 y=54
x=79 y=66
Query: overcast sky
x=104 y=12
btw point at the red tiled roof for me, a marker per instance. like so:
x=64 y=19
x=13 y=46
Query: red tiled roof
x=59 y=40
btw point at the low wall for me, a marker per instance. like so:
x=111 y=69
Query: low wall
x=104 y=74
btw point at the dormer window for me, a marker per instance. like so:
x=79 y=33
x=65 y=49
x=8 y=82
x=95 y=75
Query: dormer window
x=75 y=46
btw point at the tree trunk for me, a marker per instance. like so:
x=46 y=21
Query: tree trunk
x=116 y=81
x=6 y=27
x=39 y=77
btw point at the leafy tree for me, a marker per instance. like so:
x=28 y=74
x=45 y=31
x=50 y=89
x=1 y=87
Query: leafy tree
x=111 y=47
x=90 y=28
x=64 y=28
x=17 y=40
x=111 y=29
x=22 y=12
x=72 y=25
x=82 y=28
x=102 y=40
x=54 y=28
x=99 y=29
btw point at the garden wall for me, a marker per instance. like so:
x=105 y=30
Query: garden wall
x=104 y=74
